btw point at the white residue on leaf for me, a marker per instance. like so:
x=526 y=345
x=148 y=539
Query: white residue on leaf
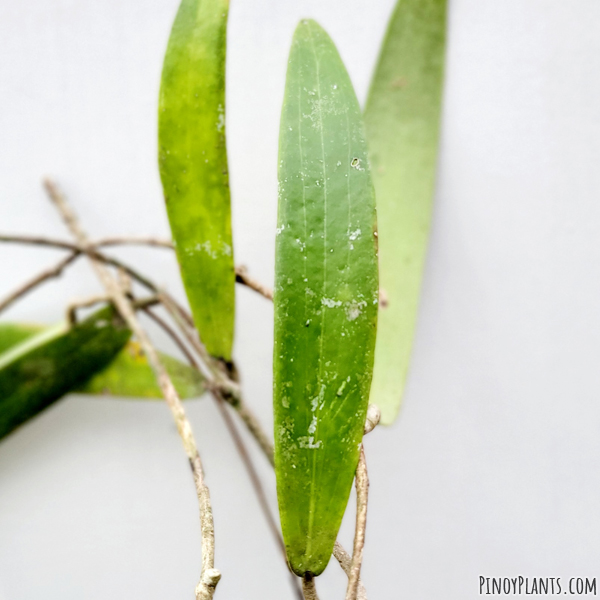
x=354 y=235
x=301 y=244
x=220 y=118
x=354 y=309
x=329 y=303
x=206 y=246
x=308 y=442
x=280 y=229
x=314 y=403
x=326 y=105
x=313 y=425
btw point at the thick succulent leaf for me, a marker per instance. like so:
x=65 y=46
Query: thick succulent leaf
x=128 y=375
x=402 y=124
x=325 y=297
x=44 y=367
x=193 y=166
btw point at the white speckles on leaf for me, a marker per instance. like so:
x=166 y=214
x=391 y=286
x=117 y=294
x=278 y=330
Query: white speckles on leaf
x=354 y=309
x=308 y=443
x=329 y=303
x=220 y=118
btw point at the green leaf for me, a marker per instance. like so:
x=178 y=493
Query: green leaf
x=130 y=375
x=127 y=375
x=402 y=123
x=44 y=367
x=13 y=333
x=325 y=298
x=193 y=166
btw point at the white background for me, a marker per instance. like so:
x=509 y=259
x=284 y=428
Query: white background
x=493 y=466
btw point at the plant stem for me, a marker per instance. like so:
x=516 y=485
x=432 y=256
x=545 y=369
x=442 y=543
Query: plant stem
x=209 y=575
x=309 y=589
x=362 y=495
x=241 y=274
x=42 y=277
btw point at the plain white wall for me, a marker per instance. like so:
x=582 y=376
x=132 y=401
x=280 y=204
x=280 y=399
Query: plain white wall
x=492 y=468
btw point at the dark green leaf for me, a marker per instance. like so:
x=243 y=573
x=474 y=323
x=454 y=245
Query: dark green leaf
x=325 y=297
x=44 y=367
x=127 y=375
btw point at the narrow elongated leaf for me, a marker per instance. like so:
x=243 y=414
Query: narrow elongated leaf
x=402 y=123
x=44 y=367
x=193 y=166
x=325 y=298
x=128 y=375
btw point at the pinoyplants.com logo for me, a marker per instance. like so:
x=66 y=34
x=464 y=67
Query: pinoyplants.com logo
x=536 y=586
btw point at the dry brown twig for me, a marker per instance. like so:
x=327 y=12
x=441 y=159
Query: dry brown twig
x=209 y=575
x=241 y=272
x=362 y=495
x=34 y=282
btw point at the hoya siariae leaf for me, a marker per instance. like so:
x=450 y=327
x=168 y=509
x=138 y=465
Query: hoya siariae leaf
x=42 y=368
x=325 y=298
x=402 y=119
x=128 y=374
x=193 y=166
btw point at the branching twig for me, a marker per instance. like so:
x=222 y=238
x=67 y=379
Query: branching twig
x=134 y=241
x=28 y=286
x=210 y=576
x=173 y=335
x=345 y=561
x=362 y=495
x=258 y=490
x=220 y=385
x=241 y=276
x=355 y=585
